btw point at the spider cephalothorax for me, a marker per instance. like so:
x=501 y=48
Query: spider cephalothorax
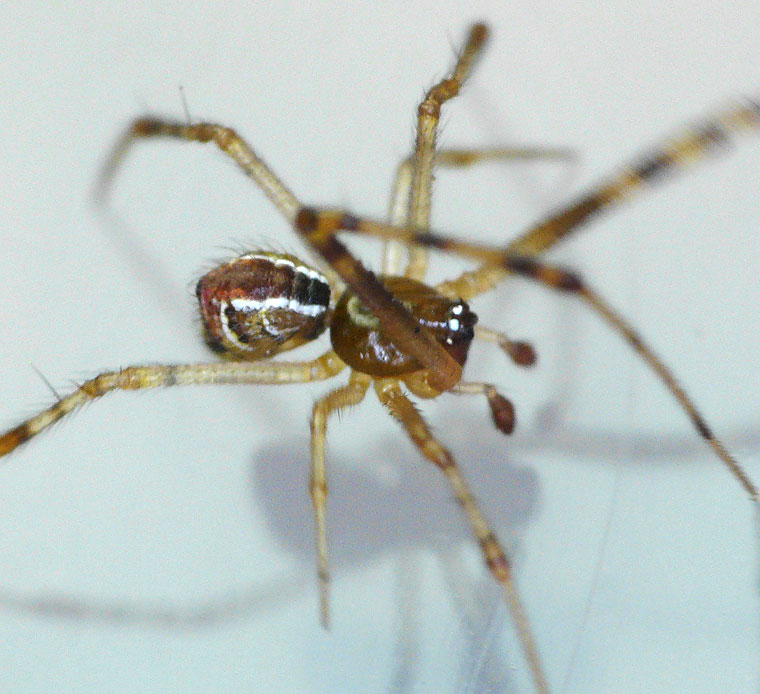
x=358 y=338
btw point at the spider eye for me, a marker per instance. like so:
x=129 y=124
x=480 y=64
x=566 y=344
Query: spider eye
x=460 y=323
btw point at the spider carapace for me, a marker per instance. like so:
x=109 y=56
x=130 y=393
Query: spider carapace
x=393 y=330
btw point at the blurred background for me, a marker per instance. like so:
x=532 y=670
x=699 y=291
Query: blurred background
x=162 y=541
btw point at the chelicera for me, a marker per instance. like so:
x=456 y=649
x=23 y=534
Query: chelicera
x=392 y=331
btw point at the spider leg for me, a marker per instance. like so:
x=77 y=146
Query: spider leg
x=158 y=376
x=621 y=326
x=223 y=137
x=678 y=153
x=335 y=401
x=454 y=159
x=402 y=409
x=458 y=158
x=428 y=118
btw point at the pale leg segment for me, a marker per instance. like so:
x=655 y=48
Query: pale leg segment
x=335 y=401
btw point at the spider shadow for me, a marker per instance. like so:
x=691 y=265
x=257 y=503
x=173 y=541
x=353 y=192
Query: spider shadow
x=370 y=516
x=406 y=517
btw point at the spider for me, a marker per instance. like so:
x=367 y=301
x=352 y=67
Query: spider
x=392 y=331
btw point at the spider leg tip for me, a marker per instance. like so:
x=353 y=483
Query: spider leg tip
x=502 y=412
x=479 y=32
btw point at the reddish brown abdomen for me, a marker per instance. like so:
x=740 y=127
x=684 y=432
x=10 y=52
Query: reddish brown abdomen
x=262 y=303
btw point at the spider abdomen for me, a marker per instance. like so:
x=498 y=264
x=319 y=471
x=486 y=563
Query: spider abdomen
x=358 y=339
x=262 y=303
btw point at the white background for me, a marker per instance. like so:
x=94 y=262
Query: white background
x=173 y=500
